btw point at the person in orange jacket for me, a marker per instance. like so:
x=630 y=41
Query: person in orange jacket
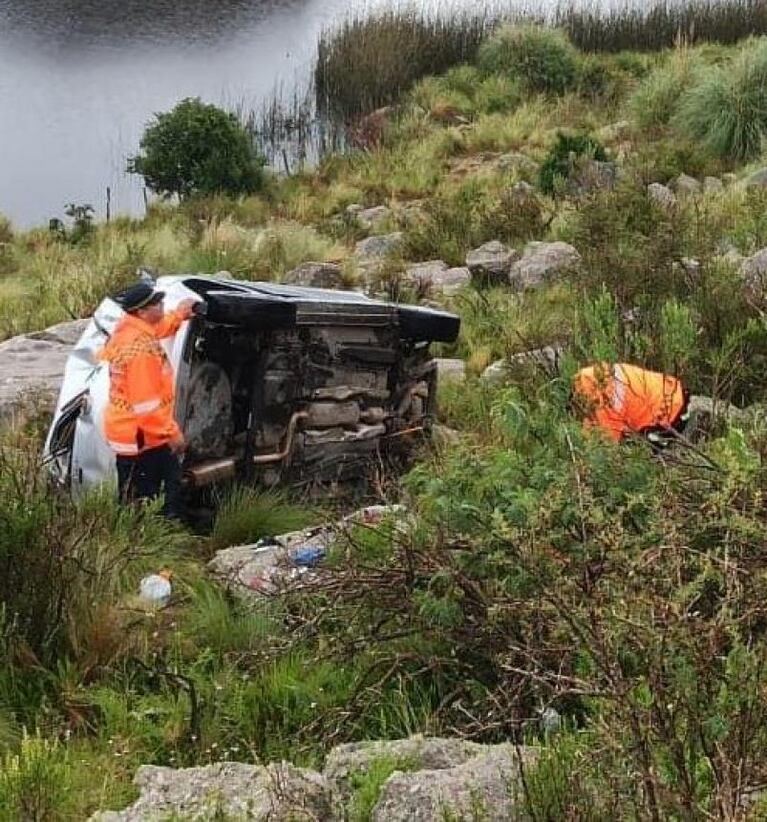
x=139 y=422
x=623 y=399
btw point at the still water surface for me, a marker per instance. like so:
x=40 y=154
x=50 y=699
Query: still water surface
x=80 y=78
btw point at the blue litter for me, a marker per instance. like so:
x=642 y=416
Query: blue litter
x=308 y=556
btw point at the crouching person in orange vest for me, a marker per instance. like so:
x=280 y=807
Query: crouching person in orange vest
x=138 y=423
x=622 y=399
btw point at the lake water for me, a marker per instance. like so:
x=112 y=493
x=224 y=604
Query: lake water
x=79 y=79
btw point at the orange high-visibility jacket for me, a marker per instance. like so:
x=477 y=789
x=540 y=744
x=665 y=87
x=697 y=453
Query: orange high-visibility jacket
x=623 y=399
x=139 y=415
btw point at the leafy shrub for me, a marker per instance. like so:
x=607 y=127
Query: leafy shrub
x=558 y=164
x=600 y=79
x=726 y=109
x=247 y=514
x=58 y=558
x=542 y=59
x=32 y=781
x=197 y=149
x=656 y=99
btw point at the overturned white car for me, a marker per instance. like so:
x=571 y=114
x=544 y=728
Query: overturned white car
x=274 y=384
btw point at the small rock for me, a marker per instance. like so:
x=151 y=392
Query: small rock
x=758 y=179
x=490 y=264
x=515 y=161
x=540 y=262
x=712 y=185
x=487 y=787
x=753 y=271
x=686 y=186
x=378 y=248
x=691 y=266
x=591 y=175
x=451 y=370
x=435 y=275
x=442 y=436
x=231 y=790
x=316 y=275
x=497 y=372
x=546 y=357
x=522 y=190
x=663 y=196
x=704 y=413
x=372 y=217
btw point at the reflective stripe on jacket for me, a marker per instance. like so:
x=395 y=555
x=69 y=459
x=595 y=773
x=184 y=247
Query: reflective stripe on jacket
x=623 y=399
x=139 y=414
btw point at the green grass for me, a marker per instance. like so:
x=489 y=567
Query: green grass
x=246 y=514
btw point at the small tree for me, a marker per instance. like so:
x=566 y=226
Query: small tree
x=198 y=149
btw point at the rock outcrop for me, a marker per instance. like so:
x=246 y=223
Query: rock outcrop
x=230 y=790
x=433 y=779
x=33 y=364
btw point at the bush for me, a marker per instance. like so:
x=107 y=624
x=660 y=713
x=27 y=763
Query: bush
x=198 y=149
x=542 y=59
x=559 y=163
x=727 y=108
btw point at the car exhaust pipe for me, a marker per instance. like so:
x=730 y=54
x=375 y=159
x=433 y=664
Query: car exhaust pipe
x=216 y=470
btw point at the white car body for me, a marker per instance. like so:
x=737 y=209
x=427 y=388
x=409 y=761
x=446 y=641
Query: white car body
x=92 y=460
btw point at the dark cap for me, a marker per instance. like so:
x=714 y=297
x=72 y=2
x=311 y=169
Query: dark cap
x=138 y=296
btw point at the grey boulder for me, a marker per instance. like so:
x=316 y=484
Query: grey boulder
x=372 y=252
x=516 y=161
x=487 y=786
x=758 y=179
x=490 y=264
x=686 y=186
x=753 y=272
x=415 y=753
x=32 y=365
x=663 y=196
x=316 y=275
x=712 y=185
x=542 y=262
x=369 y=217
x=229 y=790
x=436 y=275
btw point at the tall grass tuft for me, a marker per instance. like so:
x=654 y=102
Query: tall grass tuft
x=727 y=108
x=369 y=61
x=247 y=514
x=656 y=99
x=660 y=24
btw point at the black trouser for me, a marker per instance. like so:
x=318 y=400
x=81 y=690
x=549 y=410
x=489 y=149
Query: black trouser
x=147 y=475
